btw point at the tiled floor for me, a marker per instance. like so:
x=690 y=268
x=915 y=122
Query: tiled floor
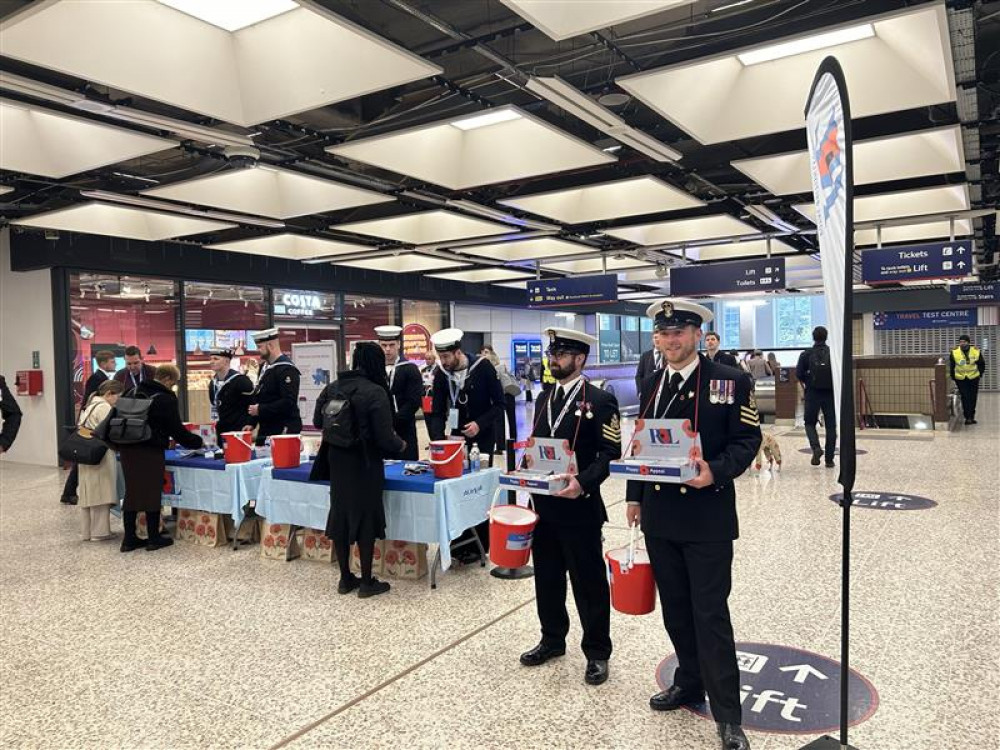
x=197 y=648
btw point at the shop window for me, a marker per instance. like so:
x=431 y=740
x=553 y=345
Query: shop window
x=113 y=312
x=609 y=337
x=631 y=340
x=793 y=322
x=218 y=316
x=731 y=326
x=362 y=314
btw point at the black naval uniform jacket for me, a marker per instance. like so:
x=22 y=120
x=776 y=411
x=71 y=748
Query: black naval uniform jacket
x=597 y=444
x=647 y=366
x=277 y=399
x=480 y=400
x=405 y=393
x=730 y=439
x=231 y=397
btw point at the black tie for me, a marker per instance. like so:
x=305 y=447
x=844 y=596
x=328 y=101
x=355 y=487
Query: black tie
x=657 y=361
x=557 y=402
x=675 y=384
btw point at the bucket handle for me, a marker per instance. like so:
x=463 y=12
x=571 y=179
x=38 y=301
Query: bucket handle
x=446 y=461
x=630 y=557
x=496 y=496
x=236 y=436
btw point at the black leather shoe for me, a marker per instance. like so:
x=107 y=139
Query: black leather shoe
x=974 y=421
x=347 y=585
x=158 y=543
x=674 y=697
x=732 y=737
x=541 y=654
x=830 y=464
x=597 y=672
x=129 y=546
x=72 y=499
x=817 y=455
x=968 y=421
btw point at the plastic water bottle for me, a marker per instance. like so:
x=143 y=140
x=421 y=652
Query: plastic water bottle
x=474 y=458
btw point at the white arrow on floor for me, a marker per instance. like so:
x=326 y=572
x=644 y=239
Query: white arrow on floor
x=802 y=671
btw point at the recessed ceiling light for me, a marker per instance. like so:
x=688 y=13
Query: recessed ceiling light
x=489 y=118
x=232 y=15
x=808 y=44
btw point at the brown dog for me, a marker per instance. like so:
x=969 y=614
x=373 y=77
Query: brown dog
x=770 y=450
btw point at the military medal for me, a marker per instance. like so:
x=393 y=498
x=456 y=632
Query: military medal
x=713 y=391
x=730 y=391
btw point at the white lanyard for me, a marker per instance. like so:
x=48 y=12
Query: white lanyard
x=569 y=400
x=135 y=384
x=219 y=386
x=455 y=388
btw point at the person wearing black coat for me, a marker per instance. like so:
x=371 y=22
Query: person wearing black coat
x=11 y=414
x=406 y=388
x=649 y=363
x=229 y=394
x=144 y=464
x=567 y=538
x=135 y=370
x=715 y=354
x=105 y=371
x=357 y=474
x=689 y=528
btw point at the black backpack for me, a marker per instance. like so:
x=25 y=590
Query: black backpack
x=128 y=421
x=340 y=423
x=820 y=369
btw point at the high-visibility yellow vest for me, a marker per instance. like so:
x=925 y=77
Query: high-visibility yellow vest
x=546 y=372
x=966 y=365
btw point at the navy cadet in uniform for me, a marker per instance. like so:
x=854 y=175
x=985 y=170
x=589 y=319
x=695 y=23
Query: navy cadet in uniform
x=467 y=400
x=274 y=405
x=406 y=388
x=689 y=528
x=568 y=536
x=229 y=393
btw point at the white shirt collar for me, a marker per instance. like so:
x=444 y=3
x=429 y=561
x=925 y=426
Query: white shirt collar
x=685 y=372
x=568 y=387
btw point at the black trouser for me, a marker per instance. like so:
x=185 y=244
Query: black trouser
x=509 y=402
x=816 y=401
x=577 y=550
x=129 y=518
x=72 y=482
x=969 y=392
x=694 y=580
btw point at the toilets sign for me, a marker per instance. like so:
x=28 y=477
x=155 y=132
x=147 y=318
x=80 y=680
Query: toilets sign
x=886 y=501
x=787 y=690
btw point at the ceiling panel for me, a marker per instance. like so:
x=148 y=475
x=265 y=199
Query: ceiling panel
x=51 y=144
x=898 y=157
x=120 y=221
x=266 y=191
x=426 y=227
x=543 y=247
x=748 y=249
x=484 y=275
x=405 y=263
x=720 y=98
x=593 y=265
x=936 y=200
x=607 y=200
x=243 y=77
x=506 y=144
x=931 y=230
x=290 y=246
x=683 y=230
x=562 y=19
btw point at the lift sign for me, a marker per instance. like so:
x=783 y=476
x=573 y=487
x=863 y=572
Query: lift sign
x=886 y=501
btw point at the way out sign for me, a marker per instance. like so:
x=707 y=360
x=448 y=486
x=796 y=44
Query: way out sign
x=886 y=501
x=788 y=690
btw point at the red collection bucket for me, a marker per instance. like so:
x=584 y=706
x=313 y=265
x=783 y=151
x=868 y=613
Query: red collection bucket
x=633 y=589
x=192 y=426
x=447 y=457
x=238 y=447
x=286 y=451
x=511 y=530
x=427 y=404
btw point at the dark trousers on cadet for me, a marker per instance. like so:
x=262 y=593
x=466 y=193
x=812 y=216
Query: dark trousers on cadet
x=968 y=390
x=72 y=482
x=577 y=550
x=817 y=401
x=694 y=580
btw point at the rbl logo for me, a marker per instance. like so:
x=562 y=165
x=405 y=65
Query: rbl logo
x=831 y=169
x=661 y=437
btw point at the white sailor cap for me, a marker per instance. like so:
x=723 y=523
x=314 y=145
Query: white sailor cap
x=388 y=333
x=266 y=335
x=570 y=340
x=447 y=340
x=670 y=314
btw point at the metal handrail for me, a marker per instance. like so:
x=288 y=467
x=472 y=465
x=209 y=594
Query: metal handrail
x=863 y=402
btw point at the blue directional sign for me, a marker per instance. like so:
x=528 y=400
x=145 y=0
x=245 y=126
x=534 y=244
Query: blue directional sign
x=898 y=321
x=579 y=290
x=934 y=260
x=789 y=690
x=728 y=278
x=975 y=294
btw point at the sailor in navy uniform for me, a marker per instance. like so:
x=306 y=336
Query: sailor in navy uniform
x=567 y=538
x=274 y=405
x=229 y=394
x=406 y=389
x=689 y=528
x=468 y=396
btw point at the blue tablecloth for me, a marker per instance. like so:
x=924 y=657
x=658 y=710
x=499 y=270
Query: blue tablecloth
x=417 y=508
x=200 y=483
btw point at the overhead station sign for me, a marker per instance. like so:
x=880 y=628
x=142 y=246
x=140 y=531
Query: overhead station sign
x=579 y=290
x=898 y=321
x=934 y=260
x=728 y=278
x=975 y=294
